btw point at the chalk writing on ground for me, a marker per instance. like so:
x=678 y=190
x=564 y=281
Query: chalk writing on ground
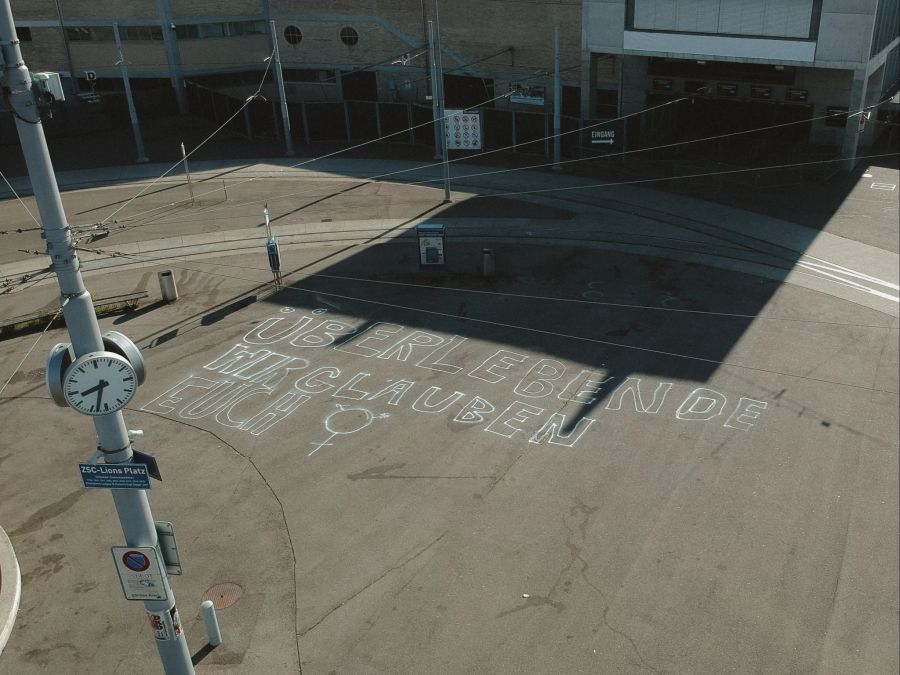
x=286 y=361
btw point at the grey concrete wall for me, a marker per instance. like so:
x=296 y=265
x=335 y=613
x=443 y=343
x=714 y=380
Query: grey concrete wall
x=603 y=25
x=845 y=33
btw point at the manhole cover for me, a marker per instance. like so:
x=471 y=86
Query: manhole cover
x=223 y=595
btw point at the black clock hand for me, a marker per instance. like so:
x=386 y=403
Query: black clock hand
x=94 y=388
x=103 y=384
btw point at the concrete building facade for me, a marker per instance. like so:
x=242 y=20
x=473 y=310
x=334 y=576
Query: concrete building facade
x=775 y=61
x=374 y=48
x=744 y=62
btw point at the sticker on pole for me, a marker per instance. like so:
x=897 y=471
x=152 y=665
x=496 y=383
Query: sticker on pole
x=140 y=572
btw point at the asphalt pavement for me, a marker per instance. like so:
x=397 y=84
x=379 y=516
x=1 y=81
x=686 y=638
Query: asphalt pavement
x=661 y=437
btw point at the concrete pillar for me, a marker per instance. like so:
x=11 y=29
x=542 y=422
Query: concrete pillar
x=588 y=84
x=173 y=54
x=855 y=102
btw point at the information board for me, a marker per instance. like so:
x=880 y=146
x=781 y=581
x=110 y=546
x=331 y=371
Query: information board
x=462 y=129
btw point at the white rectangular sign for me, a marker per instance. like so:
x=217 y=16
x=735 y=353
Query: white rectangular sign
x=462 y=129
x=140 y=572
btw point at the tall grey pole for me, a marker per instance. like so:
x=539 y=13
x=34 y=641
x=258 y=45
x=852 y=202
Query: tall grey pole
x=435 y=98
x=279 y=79
x=557 y=99
x=173 y=54
x=135 y=127
x=84 y=331
x=439 y=60
x=187 y=173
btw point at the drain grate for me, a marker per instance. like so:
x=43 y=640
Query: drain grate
x=223 y=595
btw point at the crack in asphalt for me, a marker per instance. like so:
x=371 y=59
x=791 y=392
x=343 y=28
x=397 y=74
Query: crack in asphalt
x=371 y=583
x=274 y=494
x=586 y=512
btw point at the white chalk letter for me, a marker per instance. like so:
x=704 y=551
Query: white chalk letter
x=552 y=427
x=701 y=404
x=515 y=412
x=538 y=382
x=746 y=410
x=501 y=360
x=632 y=385
x=474 y=411
x=424 y=404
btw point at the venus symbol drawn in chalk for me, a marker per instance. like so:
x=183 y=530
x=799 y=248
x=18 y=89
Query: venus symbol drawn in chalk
x=340 y=423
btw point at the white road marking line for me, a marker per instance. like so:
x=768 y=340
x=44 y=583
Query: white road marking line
x=890 y=187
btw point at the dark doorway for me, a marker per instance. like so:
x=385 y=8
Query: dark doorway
x=359 y=86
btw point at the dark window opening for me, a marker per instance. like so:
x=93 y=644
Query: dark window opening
x=721 y=70
x=467 y=92
x=349 y=36
x=359 y=86
x=293 y=35
x=90 y=33
x=571 y=101
x=141 y=33
x=607 y=104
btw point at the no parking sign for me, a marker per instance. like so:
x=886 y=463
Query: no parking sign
x=140 y=572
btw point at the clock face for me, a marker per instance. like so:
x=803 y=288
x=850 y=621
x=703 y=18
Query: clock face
x=99 y=383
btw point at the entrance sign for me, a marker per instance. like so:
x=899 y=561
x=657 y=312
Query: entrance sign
x=603 y=137
x=140 y=572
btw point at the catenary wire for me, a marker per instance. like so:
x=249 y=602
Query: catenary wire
x=354 y=147
x=499 y=324
x=16 y=194
x=542 y=165
x=202 y=143
x=31 y=349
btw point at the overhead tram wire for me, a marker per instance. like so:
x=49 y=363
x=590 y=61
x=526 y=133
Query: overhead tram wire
x=145 y=258
x=24 y=206
x=498 y=324
x=357 y=146
x=202 y=143
x=377 y=176
x=582 y=159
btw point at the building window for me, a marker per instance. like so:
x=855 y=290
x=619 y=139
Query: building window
x=90 y=33
x=141 y=33
x=293 y=35
x=23 y=33
x=194 y=31
x=349 y=36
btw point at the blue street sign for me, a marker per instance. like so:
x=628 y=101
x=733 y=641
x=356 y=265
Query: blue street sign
x=115 y=476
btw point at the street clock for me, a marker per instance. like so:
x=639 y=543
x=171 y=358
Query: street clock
x=99 y=383
x=61 y=362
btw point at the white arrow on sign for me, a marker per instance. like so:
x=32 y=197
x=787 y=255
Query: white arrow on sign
x=608 y=141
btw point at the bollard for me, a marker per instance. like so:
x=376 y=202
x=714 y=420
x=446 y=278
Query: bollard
x=487 y=258
x=212 y=624
x=167 y=286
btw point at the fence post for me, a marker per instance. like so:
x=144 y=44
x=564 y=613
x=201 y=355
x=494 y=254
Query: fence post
x=305 y=122
x=275 y=122
x=409 y=123
x=247 y=125
x=546 y=134
x=512 y=126
x=377 y=119
x=347 y=121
